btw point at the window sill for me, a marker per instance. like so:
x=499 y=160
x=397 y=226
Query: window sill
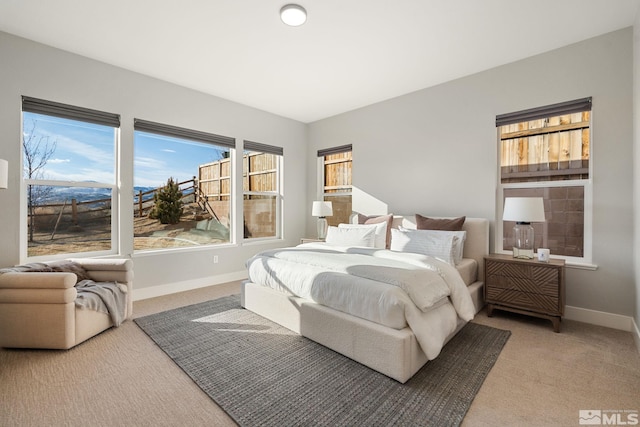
x=161 y=251
x=568 y=264
x=581 y=266
x=261 y=241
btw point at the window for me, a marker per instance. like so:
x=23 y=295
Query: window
x=545 y=152
x=335 y=166
x=69 y=163
x=182 y=185
x=261 y=185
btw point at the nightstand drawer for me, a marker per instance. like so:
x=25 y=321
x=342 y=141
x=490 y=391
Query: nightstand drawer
x=533 y=272
x=548 y=287
x=524 y=300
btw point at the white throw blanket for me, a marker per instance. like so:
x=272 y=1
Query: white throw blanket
x=390 y=288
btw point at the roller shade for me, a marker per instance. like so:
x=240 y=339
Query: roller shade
x=568 y=107
x=334 y=150
x=263 y=148
x=72 y=112
x=178 y=132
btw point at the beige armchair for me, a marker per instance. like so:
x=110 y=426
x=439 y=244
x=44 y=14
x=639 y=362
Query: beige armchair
x=37 y=310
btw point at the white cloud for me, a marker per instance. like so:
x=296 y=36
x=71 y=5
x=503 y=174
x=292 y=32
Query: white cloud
x=149 y=163
x=88 y=151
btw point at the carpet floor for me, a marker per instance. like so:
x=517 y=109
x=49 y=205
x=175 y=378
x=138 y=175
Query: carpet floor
x=262 y=374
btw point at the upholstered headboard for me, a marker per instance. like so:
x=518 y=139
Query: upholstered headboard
x=476 y=245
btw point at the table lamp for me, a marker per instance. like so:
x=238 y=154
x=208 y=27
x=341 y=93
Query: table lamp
x=524 y=211
x=322 y=210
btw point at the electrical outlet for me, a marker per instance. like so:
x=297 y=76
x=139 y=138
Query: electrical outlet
x=215 y=259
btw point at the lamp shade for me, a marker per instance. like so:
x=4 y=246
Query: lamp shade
x=322 y=209
x=523 y=209
x=4 y=173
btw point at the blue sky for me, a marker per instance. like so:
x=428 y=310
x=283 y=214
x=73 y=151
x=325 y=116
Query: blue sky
x=85 y=152
x=159 y=157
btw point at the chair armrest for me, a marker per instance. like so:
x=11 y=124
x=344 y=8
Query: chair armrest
x=40 y=280
x=108 y=270
x=37 y=288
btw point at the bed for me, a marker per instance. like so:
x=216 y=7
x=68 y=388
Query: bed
x=276 y=290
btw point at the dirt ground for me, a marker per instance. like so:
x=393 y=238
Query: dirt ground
x=149 y=234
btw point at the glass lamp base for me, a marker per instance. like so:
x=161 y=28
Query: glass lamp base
x=322 y=228
x=523 y=245
x=522 y=253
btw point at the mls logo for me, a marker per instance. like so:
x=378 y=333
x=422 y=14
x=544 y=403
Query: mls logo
x=590 y=417
x=597 y=417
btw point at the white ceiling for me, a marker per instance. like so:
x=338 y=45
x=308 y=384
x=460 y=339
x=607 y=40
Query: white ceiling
x=349 y=53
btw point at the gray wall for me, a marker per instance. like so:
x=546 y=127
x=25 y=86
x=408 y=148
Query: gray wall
x=432 y=151
x=435 y=152
x=33 y=69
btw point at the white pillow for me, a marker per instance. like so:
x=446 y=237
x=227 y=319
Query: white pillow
x=439 y=245
x=380 y=240
x=458 y=244
x=351 y=236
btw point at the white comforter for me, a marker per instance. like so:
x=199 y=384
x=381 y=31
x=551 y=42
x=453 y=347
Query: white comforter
x=390 y=288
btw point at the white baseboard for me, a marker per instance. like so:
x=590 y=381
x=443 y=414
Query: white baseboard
x=600 y=318
x=636 y=334
x=172 y=288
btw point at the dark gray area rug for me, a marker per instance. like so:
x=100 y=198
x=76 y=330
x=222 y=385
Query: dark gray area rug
x=262 y=374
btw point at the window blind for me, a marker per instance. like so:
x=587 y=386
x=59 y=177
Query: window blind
x=334 y=150
x=568 y=107
x=65 y=111
x=178 y=132
x=263 y=148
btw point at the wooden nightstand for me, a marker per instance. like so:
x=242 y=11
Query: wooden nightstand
x=310 y=240
x=525 y=286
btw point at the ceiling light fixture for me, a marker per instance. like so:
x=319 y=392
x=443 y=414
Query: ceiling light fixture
x=293 y=15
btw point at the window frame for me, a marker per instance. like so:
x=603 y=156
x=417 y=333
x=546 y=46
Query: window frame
x=204 y=138
x=586 y=261
x=77 y=114
x=256 y=147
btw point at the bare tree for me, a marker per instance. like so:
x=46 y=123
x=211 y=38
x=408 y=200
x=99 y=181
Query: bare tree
x=38 y=149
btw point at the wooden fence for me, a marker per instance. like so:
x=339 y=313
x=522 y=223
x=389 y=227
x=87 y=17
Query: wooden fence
x=337 y=172
x=144 y=200
x=73 y=209
x=337 y=186
x=259 y=173
x=211 y=190
x=51 y=217
x=553 y=149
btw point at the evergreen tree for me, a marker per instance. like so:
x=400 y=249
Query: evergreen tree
x=168 y=203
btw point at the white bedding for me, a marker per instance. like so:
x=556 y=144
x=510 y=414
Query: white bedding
x=389 y=288
x=468 y=269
